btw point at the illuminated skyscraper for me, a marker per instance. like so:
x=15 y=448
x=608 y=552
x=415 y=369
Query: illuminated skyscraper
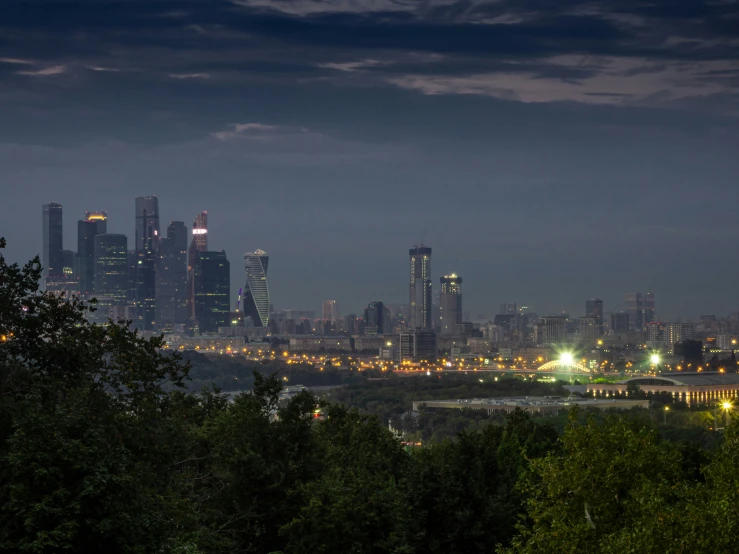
x=420 y=287
x=199 y=243
x=95 y=223
x=594 y=309
x=171 y=285
x=53 y=257
x=212 y=273
x=111 y=271
x=256 y=291
x=450 y=304
x=147 y=247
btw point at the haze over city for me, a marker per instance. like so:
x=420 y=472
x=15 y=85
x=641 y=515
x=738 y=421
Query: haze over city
x=547 y=152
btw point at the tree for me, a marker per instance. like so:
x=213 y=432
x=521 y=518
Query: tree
x=88 y=438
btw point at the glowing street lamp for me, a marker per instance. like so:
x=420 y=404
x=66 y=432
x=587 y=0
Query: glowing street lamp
x=667 y=409
x=566 y=358
x=655 y=359
x=727 y=408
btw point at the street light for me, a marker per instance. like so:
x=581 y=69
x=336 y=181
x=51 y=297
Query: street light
x=727 y=407
x=667 y=409
x=566 y=358
x=655 y=359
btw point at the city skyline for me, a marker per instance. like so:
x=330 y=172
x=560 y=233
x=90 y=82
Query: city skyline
x=612 y=305
x=549 y=152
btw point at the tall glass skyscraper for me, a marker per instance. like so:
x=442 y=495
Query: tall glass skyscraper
x=199 y=243
x=147 y=248
x=212 y=291
x=256 y=291
x=420 y=287
x=95 y=223
x=450 y=304
x=111 y=269
x=172 y=276
x=53 y=256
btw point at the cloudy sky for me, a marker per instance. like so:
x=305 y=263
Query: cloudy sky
x=547 y=151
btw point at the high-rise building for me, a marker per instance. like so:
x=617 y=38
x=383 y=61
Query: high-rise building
x=554 y=329
x=53 y=242
x=95 y=223
x=111 y=270
x=594 y=309
x=450 y=304
x=147 y=247
x=508 y=308
x=591 y=328
x=420 y=287
x=330 y=311
x=417 y=345
x=677 y=332
x=212 y=291
x=649 y=310
x=374 y=318
x=655 y=335
x=256 y=290
x=68 y=265
x=620 y=322
x=640 y=308
x=199 y=243
x=171 y=285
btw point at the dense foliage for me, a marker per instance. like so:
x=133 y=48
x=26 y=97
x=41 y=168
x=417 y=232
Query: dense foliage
x=103 y=450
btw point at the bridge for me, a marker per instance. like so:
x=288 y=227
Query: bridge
x=563 y=366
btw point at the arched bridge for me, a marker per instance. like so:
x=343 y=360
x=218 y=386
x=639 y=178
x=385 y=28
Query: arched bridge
x=560 y=366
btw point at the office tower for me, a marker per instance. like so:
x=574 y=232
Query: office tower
x=655 y=335
x=450 y=304
x=508 y=308
x=53 y=257
x=554 y=329
x=350 y=324
x=147 y=223
x=100 y=219
x=212 y=291
x=591 y=328
x=594 y=309
x=634 y=306
x=171 y=284
x=420 y=287
x=111 y=271
x=95 y=223
x=68 y=264
x=256 y=291
x=649 y=313
x=677 y=332
x=620 y=322
x=199 y=243
x=374 y=318
x=330 y=311
x=416 y=346
x=147 y=246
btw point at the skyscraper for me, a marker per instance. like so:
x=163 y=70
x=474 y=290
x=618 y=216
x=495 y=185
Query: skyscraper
x=420 y=287
x=95 y=223
x=594 y=309
x=171 y=285
x=450 y=304
x=199 y=243
x=111 y=270
x=147 y=246
x=374 y=318
x=212 y=273
x=330 y=311
x=53 y=257
x=256 y=291
x=640 y=308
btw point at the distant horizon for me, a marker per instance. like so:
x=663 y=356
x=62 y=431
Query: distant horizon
x=547 y=152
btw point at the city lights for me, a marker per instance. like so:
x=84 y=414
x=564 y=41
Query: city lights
x=566 y=358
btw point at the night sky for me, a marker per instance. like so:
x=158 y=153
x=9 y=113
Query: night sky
x=548 y=151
